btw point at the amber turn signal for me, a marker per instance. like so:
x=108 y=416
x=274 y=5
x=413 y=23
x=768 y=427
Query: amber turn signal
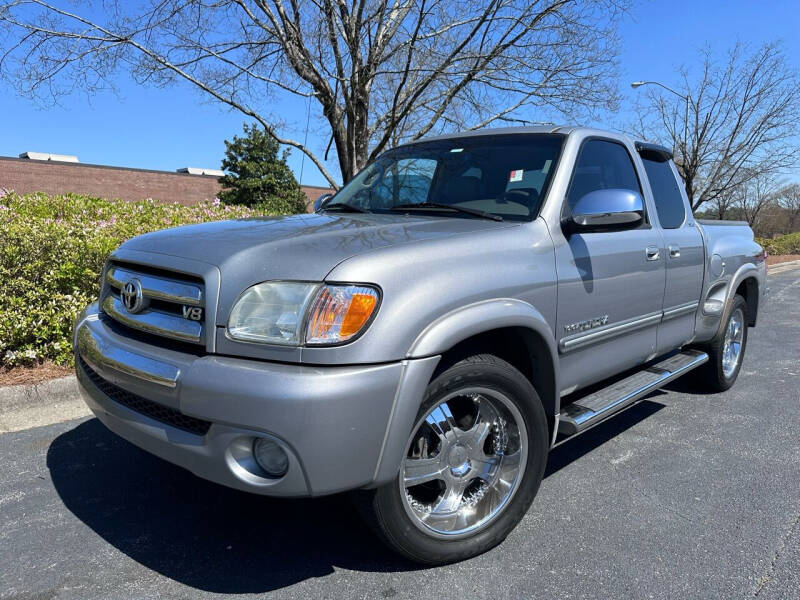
x=339 y=313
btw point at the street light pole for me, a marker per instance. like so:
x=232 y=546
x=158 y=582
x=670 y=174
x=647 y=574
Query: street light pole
x=637 y=84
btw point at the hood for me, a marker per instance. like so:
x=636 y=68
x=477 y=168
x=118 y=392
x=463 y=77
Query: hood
x=299 y=247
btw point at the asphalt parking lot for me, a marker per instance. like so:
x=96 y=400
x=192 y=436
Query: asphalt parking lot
x=682 y=496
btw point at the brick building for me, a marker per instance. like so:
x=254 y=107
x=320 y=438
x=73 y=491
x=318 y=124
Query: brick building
x=60 y=174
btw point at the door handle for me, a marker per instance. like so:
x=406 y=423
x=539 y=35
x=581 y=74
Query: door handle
x=652 y=253
x=674 y=251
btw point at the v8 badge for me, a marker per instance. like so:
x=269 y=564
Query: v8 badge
x=193 y=313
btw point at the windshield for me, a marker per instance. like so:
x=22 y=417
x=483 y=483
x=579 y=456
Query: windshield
x=503 y=175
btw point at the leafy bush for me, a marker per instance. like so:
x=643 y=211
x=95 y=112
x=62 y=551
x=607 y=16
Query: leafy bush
x=258 y=175
x=785 y=244
x=52 y=249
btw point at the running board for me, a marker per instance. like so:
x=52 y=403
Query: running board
x=588 y=411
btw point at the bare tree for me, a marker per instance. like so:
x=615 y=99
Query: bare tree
x=378 y=71
x=743 y=119
x=788 y=199
x=756 y=194
x=721 y=206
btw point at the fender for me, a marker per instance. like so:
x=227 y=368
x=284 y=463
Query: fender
x=487 y=315
x=462 y=323
x=438 y=337
x=746 y=271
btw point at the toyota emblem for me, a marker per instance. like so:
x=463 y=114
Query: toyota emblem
x=131 y=295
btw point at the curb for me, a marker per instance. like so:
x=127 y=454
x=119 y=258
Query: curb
x=36 y=405
x=783 y=267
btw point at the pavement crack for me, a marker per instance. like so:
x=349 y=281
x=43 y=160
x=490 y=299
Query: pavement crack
x=650 y=497
x=767 y=577
x=661 y=504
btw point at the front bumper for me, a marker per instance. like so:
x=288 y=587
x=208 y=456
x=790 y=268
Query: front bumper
x=335 y=423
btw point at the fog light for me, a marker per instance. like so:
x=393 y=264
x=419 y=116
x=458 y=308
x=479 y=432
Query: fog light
x=270 y=457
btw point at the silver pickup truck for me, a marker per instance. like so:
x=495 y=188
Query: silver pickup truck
x=461 y=306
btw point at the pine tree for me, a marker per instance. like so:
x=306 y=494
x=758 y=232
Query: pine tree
x=257 y=174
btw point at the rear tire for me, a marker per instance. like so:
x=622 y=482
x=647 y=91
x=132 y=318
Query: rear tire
x=474 y=463
x=726 y=350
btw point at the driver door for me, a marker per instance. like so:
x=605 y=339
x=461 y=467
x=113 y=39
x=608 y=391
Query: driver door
x=610 y=283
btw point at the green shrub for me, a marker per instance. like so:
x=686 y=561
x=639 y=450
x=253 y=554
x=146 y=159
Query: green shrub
x=785 y=244
x=52 y=249
x=275 y=205
x=257 y=174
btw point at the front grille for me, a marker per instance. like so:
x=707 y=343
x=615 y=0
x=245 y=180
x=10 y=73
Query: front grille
x=154 y=410
x=169 y=305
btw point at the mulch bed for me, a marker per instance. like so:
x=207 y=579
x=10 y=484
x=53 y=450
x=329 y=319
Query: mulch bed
x=776 y=260
x=35 y=374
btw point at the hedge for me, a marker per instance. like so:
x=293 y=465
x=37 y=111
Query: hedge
x=785 y=244
x=52 y=249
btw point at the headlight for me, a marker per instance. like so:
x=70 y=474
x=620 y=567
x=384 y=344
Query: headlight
x=285 y=312
x=271 y=312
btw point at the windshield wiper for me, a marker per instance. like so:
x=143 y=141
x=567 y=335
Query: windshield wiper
x=344 y=207
x=467 y=211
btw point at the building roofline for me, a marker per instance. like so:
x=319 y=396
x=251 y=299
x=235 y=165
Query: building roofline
x=112 y=167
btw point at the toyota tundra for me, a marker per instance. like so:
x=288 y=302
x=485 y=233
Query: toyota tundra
x=461 y=306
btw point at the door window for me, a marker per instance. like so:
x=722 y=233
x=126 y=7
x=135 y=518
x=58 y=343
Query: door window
x=666 y=193
x=602 y=165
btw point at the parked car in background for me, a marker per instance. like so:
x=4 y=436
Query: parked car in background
x=428 y=335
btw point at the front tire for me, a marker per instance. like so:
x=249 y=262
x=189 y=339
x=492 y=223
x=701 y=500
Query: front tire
x=726 y=351
x=474 y=462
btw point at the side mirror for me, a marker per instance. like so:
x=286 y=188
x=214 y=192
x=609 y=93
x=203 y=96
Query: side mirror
x=320 y=202
x=607 y=209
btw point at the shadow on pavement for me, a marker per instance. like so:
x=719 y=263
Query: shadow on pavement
x=221 y=540
x=573 y=449
x=202 y=534
x=688 y=385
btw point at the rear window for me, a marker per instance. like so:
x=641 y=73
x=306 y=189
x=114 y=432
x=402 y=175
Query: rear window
x=666 y=193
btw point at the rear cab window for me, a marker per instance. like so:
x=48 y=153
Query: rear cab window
x=666 y=191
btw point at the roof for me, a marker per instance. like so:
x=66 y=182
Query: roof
x=493 y=131
x=543 y=129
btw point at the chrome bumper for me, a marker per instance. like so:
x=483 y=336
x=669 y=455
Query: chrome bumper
x=333 y=422
x=102 y=356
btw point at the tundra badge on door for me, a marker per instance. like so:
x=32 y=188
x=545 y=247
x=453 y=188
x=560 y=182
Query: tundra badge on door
x=587 y=324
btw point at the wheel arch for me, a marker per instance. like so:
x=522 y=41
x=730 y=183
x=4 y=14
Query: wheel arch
x=746 y=284
x=748 y=289
x=511 y=329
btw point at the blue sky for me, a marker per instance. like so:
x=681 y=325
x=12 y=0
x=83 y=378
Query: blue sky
x=175 y=127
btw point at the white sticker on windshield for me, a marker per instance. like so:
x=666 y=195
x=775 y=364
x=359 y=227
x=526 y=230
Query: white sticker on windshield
x=457 y=150
x=546 y=166
x=515 y=175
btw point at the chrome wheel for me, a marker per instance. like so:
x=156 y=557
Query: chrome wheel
x=732 y=343
x=465 y=461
